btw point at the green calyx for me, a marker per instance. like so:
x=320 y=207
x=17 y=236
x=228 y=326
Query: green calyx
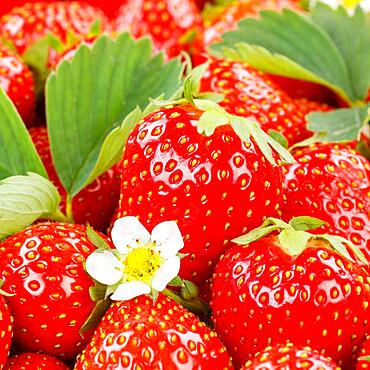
x=294 y=238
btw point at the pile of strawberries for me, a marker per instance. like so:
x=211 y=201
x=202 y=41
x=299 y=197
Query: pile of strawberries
x=273 y=211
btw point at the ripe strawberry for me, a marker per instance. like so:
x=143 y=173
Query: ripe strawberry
x=140 y=334
x=251 y=93
x=332 y=181
x=6 y=331
x=25 y=25
x=308 y=106
x=17 y=81
x=214 y=186
x=96 y=203
x=290 y=288
x=34 y=361
x=171 y=24
x=364 y=359
x=287 y=356
x=43 y=267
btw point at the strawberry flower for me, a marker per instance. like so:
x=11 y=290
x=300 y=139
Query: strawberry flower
x=142 y=263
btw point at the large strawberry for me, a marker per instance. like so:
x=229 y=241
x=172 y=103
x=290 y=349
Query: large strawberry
x=141 y=334
x=17 y=81
x=43 y=267
x=331 y=181
x=96 y=203
x=172 y=24
x=34 y=361
x=289 y=357
x=295 y=286
x=23 y=26
x=6 y=331
x=215 y=185
x=250 y=93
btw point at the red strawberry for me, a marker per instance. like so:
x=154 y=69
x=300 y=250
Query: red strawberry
x=140 y=334
x=213 y=186
x=6 y=331
x=364 y=355
x=290 y=288
x=43 y=267
x=171 y=24
x=96 y=203
x=17 y=81
x=333 y=182
x=34 y=361
x=287 y=356
x=25 y=25
x=251 y=93
x=308 y=106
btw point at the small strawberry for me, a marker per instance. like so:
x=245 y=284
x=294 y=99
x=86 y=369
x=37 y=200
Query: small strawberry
x=294 y=286
x=141 y=334
x=172 y=24
x=17 y=81
x=23 y=26
x=43 y=267
x=364 y=355
x=34 y=361
x=97 y=202
x=332 y=181
x=6 y=331
x=215 y=185
x=289 y=357
x=250 y=93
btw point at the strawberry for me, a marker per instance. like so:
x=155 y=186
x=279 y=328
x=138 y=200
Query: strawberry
x=332 y=181
x=43 y=267
x=214 y=186
x=250 y=93
x=97 y=202
x=34 y=361
x=287 y=356
x=6 y=331
x=364 y=356
x=170 y=23
x=294 y=286
x=308 y=106
x=17 y=81
x=141 y=334
x=23 y=26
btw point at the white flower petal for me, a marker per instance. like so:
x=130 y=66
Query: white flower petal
x=168 y=237
x=104 y=267
x=166 y=273
x=127 y=231
x=130 y=290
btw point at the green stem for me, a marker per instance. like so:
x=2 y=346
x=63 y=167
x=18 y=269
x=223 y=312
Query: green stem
x=58 y=215
x=69 y=211
x=196 y=305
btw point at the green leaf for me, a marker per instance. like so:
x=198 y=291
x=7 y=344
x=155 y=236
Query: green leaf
x=17 y=152
x=294 y=242
x=98 y=291
x=339 y=125
x=177 y=281
x=364 y=358
x=281 y=139
x=89 y=96
x=96 y=315
x=351 y=34
x=303 y=223
x=96 y=239
x=189 y=290
x=23 y=200
x=210 y=120
x=289 y=44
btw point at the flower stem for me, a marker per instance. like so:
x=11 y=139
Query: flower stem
x=69 y=212
x=196 y=305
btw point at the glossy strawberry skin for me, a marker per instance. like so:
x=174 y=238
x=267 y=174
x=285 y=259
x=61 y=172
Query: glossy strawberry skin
x=250 y=93
x=34 y=361
x=6 y=331
x=96 y=203
x=167 y=22
x=28 y=23
x=332 y=182
x=289 y=357
x=43 y=267
x=17 y=81
x=215 y=187
x=140 y=334
x=262 y=296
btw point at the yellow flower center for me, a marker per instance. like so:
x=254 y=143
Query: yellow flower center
x=349 y=4
x=141 y=264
